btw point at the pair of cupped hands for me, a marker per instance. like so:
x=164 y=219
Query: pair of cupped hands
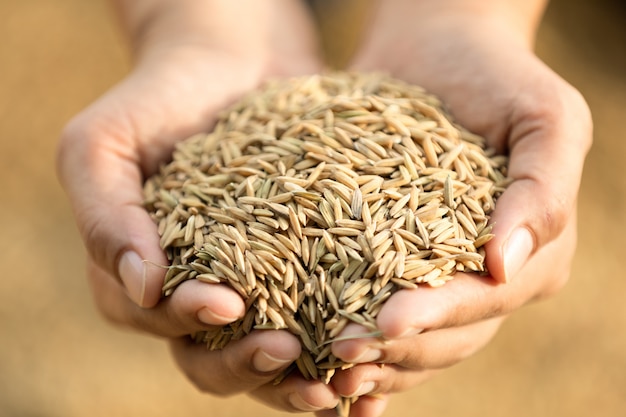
x=482 y=67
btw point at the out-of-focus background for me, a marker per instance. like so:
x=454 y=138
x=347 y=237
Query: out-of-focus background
x=562 y=358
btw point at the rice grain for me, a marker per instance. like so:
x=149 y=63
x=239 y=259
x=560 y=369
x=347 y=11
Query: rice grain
x=317 y=198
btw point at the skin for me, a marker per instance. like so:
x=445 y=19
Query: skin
x=476 y=55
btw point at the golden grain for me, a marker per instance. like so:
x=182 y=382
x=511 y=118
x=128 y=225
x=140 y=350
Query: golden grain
x=316 y=198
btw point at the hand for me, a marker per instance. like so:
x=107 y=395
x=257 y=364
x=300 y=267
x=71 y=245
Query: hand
x=481 y=65
x=190 y=64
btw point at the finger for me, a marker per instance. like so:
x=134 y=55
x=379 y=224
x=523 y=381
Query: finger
x=193 y=307
x=550 y=137
x=429 y=350
x=375 y=379
x=241 y=366
x=366 y=406
x=470 y=298
x=295 y=394
x=369 y=406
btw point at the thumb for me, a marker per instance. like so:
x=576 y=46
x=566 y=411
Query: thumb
x=98 y=166
x=548 y=147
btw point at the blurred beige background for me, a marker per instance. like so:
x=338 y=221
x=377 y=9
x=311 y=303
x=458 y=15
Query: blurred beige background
x=564 y=357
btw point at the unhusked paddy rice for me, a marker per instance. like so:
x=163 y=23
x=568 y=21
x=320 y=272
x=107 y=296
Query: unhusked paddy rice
x=316 y=198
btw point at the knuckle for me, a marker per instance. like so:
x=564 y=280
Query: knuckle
x=194 y=378
x=555 y=216
x=236 y=367
x=205 y=385
x=217 y=390
x=206 y=379
x=93 y=231
x=551 y=212
x=498 y=307
x=235 y=375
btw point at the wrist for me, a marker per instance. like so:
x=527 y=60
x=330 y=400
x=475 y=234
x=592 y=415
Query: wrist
x=514 y=19
x=517 y=18
x=238 y=28
x=421 y=31
x=272 y=37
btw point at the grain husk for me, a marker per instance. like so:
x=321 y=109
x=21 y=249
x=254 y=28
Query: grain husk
x=316 y=198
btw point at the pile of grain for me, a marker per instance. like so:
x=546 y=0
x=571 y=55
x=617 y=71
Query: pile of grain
x=316 y=198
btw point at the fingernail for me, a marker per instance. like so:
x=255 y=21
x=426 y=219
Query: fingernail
x=132 y=273
x=208 y=316
x=365 y=388
x=517 y=250
x=298 y=402
x=370 y=355
x=264 y=362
